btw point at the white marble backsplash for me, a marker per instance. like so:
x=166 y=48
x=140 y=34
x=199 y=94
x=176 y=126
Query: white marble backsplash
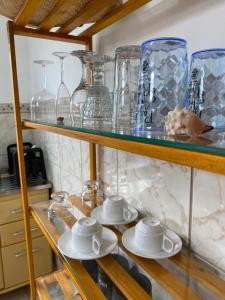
x=154 y=187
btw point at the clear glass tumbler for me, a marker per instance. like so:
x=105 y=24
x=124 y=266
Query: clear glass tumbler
x=92 y=193
x=162 y=83
x=206 y=94
x=60 y=200
x=127 y=61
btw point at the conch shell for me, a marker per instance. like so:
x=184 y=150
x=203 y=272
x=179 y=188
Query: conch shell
x=183 y=121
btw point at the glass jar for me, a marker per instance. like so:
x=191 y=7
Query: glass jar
x=206 y=94
x=162 y=81
x=92 y=194
x=127 y=61
x=60 y=200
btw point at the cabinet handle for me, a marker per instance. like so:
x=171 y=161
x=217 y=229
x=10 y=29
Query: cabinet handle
x=22 y=253
x=16 y=211
x=17 y=233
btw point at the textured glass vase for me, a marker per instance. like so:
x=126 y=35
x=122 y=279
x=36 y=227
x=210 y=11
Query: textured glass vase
x=162 y=83
x=206 y=93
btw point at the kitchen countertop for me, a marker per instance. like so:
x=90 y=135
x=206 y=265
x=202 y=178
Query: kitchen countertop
x=8 y=184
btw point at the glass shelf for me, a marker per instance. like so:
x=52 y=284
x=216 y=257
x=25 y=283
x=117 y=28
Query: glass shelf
x=212 y=142
x=206 y=152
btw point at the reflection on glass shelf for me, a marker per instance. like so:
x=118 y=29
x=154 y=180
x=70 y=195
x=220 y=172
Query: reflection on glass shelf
x=212 y=142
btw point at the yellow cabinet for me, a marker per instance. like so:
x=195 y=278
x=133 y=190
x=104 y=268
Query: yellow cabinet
x=11 y=207
x=14 y=232
x=14 y=260
x=1 y=274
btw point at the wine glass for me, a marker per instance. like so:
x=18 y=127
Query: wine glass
x=43 y=103
x=63 y=95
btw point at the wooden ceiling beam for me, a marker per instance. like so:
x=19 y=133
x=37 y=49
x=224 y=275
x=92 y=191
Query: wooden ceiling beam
x=35 y=33
x=117 y=14
x=27 y=11
x=61 y=7
x=93 y=8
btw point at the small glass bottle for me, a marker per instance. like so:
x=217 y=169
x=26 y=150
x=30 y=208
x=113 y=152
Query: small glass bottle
x=60 y=200
x=92 y=193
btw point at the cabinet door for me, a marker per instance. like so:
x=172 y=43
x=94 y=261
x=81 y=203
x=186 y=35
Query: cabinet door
x=14 y=261
x=1 y=273
x=11 y=206
x=13 y=233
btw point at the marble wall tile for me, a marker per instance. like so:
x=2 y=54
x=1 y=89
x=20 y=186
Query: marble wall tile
x=108 y=163
x=85 y=161
x=157 y=188
x=208 y=224
x=54 y=175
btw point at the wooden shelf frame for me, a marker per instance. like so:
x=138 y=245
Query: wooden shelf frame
x=199 y=160
x=19 y=27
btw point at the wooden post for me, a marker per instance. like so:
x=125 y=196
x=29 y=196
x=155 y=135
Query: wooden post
x=93 y=170
x=19 y=140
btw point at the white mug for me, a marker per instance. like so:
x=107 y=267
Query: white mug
x=115 y=209
x=150 y=235
x=87 y=235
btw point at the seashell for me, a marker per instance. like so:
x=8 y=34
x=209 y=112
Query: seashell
x=183 y=121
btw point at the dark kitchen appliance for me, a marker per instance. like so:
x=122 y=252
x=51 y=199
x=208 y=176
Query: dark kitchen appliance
x=34 y=163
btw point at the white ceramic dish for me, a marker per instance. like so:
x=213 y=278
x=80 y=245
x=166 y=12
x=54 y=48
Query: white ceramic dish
x=66 y=247
x=129 y=243
x=97 y=213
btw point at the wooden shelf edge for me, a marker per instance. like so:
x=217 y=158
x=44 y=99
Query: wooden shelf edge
x=204 y=161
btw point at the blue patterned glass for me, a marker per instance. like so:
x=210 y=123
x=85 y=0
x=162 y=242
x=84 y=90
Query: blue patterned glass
x=162 y=83
x=206 y=92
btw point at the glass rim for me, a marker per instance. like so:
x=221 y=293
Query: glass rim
x=164 y=39
x=208 y=50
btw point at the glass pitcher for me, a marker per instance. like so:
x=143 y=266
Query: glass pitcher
x=60 y=200
x=92 y=194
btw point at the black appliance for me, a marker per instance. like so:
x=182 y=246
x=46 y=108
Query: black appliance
x=34 y=163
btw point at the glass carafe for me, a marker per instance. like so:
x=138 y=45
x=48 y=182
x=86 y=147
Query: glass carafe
x=60 y=200
x=79 y=95
x=43 y=103
x=98 y=108
x=92 y=194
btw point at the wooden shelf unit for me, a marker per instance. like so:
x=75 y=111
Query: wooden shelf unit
x=20 y=26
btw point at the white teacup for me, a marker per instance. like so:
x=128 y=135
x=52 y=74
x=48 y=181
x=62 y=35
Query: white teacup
x=150 y=235
x=115 y=209
x=87 y=235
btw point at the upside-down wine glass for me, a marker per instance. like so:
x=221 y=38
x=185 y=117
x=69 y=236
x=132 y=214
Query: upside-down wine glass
x=43 y=103
x=63 y=95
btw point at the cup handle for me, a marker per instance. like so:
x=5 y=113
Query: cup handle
x=96 y=244
x=127 y=214
x=168 y=244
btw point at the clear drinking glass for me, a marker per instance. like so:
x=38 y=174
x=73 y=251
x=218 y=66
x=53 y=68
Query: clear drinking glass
x=162 y=81
x=92 y=193
x=43 y=103
x=127 y=63
x=59 y=200
x=63 y=95
x=98 y=108
x=79 y=95
x=206 y=94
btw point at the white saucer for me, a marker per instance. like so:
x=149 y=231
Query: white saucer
x=129 y=244
x=66 y=247
x=97 y=213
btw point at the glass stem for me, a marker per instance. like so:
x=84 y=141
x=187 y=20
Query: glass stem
x=44 y=77
x=62 y=69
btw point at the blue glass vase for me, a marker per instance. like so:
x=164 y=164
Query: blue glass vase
x=206 y=93
x=162 y=83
